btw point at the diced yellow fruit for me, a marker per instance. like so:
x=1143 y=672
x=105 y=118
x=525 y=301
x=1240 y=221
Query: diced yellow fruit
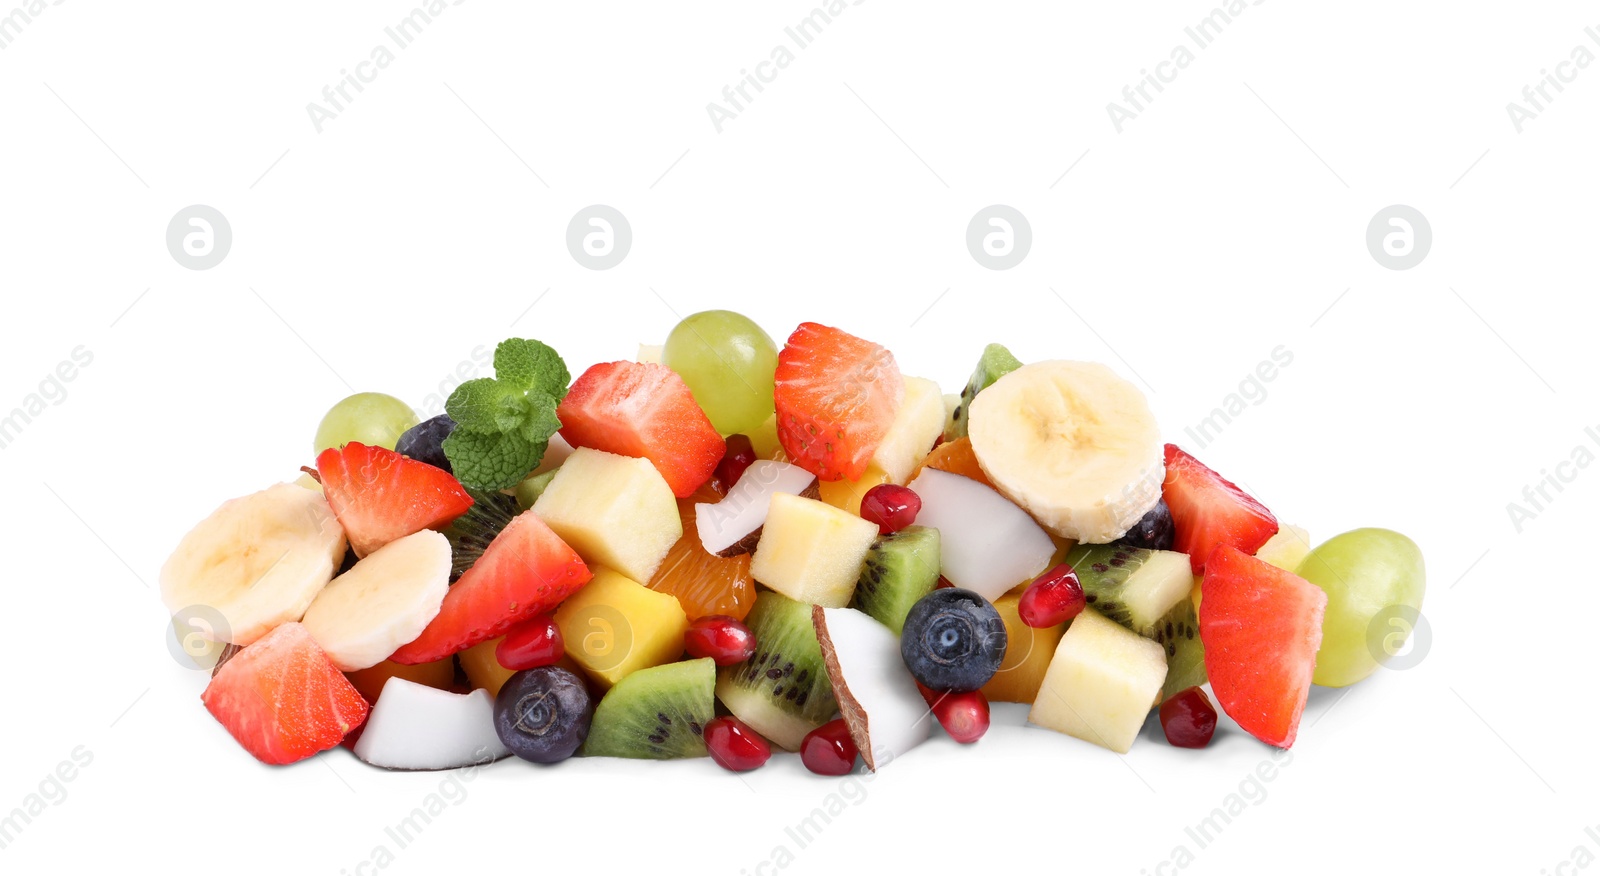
x=615 y=511
x=1287 y=549
x=918 y=423
x=649 y=354
x=440 y=674
x=1194 y=592
x=811 y=551
x=615 y=626
x=1102 y=683
x=764 y=441
x=309 y=482
x=1028 y=653
x=484 y=671
x=846 y=495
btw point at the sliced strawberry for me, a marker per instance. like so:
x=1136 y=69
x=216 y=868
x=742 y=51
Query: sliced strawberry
x=644 y=411
x=283 y=699
x=836 y=396
x=527 y=570
x=1208 y=510
x=380 y=496
x=1261 y=628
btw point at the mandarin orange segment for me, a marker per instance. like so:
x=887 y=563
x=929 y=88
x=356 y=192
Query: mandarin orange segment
x=704 y=583
x=955 y=457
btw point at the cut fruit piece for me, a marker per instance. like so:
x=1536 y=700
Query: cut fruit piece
x=1262 y=627
x=416 y=727
x=812 y=551
x=1074 y=444
x=439 y=674
x=916 y=426
x=900 y=569
x=1028 y=653
x=955 y=457
x=877 y=696
x=554 y=455
x=616 y=626
x=647 y=411
x=1102 y=683
x=704 y=583
x=383 y=602
x=995 y=363
x=483 y=669
x=764 y=441
x=1208 y=510
x=847 y=495
x=649 y=354
x=615 y=511
x=732 y=526
x=282 y=699
x=472 y=533
x=836 y=396
x=258 y=561
x=1286 y=550
x=380 y=496
x=527 y=570
x=986 y=544
x=783 y=691
x=657 y=713
x=1178 y=634
x=1132 y=586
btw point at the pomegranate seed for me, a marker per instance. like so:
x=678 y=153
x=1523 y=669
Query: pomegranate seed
x=944 y=583
x=1188 y=719
x=530 y=644
x=890 y=506
x=1053 y=598
x=734 y=746
x=721 y=638
x=735 y=460
x=965 y=716
x=829 y=750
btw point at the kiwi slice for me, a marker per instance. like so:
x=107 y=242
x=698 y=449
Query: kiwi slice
x=1135 y=587
x=1179 y=634
x=783 y=691
x=532 y=488
x=471 y=533
x=900 y=569
x=995 y=363
x=656 y=714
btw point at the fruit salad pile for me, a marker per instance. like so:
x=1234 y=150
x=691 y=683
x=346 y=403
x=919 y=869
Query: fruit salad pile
x=728 y=547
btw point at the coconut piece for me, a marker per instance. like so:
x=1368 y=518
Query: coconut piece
x=877 y=696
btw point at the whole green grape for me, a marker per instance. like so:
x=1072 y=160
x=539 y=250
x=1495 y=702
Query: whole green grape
x=728 y=362
x=370 y=418
x=1364 y=573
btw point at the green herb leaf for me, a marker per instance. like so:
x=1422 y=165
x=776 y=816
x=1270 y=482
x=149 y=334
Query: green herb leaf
x=531 y=366
x=504 y=423
x=492 y=460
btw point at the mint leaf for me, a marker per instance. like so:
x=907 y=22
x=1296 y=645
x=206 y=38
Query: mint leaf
x=492 y=460
x=540 y=421
x=531 y=366
x=486 y=405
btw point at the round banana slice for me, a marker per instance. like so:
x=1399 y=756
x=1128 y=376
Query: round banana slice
x=383 y=602
x=1072 y=443
x=258 y=561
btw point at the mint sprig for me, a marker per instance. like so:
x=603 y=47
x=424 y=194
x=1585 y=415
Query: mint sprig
x=504 y=423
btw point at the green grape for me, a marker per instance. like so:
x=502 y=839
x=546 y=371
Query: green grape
x=371 y=418
x=1365 y=573
x=728 y=362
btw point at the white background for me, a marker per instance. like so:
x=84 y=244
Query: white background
x=1227 y=219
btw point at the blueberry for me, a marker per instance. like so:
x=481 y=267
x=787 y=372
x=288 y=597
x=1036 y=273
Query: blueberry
x=953 y=640
x=424 y=442
x=543 y=714
x=1154 y=531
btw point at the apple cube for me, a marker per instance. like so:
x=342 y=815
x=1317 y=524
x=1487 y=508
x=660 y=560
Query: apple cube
x=615 y=626
x=811 y=551
x=615 y=511
x=918 y=423
x=1101 y=684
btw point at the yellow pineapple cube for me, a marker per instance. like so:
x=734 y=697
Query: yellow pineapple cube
x=1102 y=683
x=846 y=495
x=811 y=551
x=1028 y=653
x=918 y=423
x=615 y=626
x=615 y=511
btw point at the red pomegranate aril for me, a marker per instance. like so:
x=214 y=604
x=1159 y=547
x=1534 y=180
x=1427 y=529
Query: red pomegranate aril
x=829 y=750
x=1053 y=598
x=723 y=639
x=739 y=455
x=734 y=746
x=944 y=583
x=965 y=715
x=890 y=506
x=1188 y=719
x=533 y=643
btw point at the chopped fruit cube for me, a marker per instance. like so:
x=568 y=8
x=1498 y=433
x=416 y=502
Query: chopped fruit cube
x=1028 y=653
x=526 y=571
x=764 y=440
x=616 y=511
x=837 y=396
x=1102 y=682
x=916 y=426
x=483 y=668
x=704 y=583
x=1287 y=549
x=633 y=409
x=615 y=626
x=440 y=674
x=955 y=457
x=380 y=496
x=1261 y=627
x=847 y=495
x=1208 y=510
x=811 y=551
x=283 y=699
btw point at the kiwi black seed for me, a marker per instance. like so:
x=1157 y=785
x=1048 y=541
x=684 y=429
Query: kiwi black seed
x=657 y=713
x=783 y=691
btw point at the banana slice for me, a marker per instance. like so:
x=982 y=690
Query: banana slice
x=1074 y=444
x=258 y=561
x=383 y=602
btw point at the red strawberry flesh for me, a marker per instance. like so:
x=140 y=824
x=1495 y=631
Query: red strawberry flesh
x=836 y=397
x=1208 y=510
x=380 y=496
x=645 y=411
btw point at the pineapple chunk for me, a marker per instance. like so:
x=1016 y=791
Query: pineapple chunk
x=615 y=511
x=811 y=551
x=1028 y=653
x=615 y=626
x=1101 y=683
x=918 y=423
x=1287 y=549
x=846 y=495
